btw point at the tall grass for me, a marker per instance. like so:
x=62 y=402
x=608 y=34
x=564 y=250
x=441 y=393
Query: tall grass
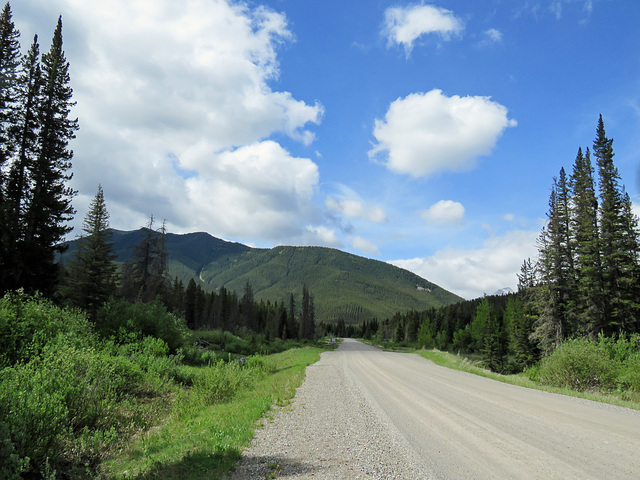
x=211 y=423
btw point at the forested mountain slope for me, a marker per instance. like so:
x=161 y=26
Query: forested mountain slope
x=344 y=286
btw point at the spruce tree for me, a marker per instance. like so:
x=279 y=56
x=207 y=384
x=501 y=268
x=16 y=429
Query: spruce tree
x=307 y=321
x=49 y=206
x=9 y=71
x=144 y=277
x=556 y=271
x=586 y=237
x=23 y=136
x=190 y=295
x=92 y=273
x=478 y=326
x=619 y=247
x=493 y=349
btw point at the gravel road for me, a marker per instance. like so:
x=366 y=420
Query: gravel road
x=365 y=414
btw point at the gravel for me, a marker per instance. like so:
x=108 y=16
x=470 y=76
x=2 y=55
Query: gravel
x=330 y=431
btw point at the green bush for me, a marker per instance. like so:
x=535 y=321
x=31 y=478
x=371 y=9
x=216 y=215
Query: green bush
x=121 y=319
x=27 y=323
x=199 y=356
x=629 y=377
x=221 y=381
x=580 y=364
x=11 y=464
x=622 y=347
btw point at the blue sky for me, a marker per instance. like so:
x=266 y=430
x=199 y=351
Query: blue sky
x=422 y=134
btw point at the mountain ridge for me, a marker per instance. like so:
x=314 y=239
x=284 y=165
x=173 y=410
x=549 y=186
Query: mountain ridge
x=345 y=286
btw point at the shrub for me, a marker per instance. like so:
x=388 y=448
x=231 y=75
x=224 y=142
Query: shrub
x=11 y=464
x=120 y=319
x=629 y=377
x=221 y=381
x=580 y=365
x=27 y=323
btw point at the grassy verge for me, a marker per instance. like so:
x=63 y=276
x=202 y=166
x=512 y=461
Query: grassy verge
x=456 y=362
x=199 y=439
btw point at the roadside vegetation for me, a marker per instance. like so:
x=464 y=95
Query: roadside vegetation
x=78 y=401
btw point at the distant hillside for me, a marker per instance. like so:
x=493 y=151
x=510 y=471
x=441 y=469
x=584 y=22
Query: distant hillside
x=344 y=286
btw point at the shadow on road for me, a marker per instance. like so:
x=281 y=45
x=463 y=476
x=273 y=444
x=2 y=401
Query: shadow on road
x=271 y=467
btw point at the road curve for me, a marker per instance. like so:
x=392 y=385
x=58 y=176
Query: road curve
x=439 y=423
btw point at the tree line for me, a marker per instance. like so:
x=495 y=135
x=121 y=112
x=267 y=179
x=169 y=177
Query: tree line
x=91 y=278
x=584 y=284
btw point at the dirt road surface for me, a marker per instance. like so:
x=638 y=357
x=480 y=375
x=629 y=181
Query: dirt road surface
x=365 y=414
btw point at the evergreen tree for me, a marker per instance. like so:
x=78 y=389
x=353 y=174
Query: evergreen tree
x=144 y=278
x=586 y=237
x=9 y=65
x=307 y=321
x=478 y=325
x=190 y=307
x=49 y=206
x=619 y=247
x=9 y=70
x=92 y=273
x=521 y=325
x=248 y=308
x=556 y=269
x=291 y=331
x=493 y=349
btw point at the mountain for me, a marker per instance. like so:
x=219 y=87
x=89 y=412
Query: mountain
x=504 y=291
x=344 y=286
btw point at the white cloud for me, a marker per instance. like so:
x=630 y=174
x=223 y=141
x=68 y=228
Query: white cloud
x=425 y=133
x=256 y=190
x=171 y=94
x=321 y=236
x=556 y=8
x=364 y=245
x=444 y=212
x=474 y=272
x=356 y=208
x=493 y=35
x=404 y=25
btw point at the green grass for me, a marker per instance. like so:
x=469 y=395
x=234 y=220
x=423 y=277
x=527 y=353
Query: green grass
x=449 y=360
x=197 y=439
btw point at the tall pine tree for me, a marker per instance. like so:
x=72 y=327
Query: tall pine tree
x=9 y=71
x=557 y=319
x=586 y=238
x=92 y=273
x=49 y=206
x=619 y=247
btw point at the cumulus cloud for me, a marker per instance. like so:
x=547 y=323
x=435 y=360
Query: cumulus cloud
x=425 y=133
x=404 y=25
x=352 y=206
x=170 y=95
x=444 y=212
x=256 y=190
x=321 y=236
x=475 y=272
x=364 y=245
x=493 y=34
